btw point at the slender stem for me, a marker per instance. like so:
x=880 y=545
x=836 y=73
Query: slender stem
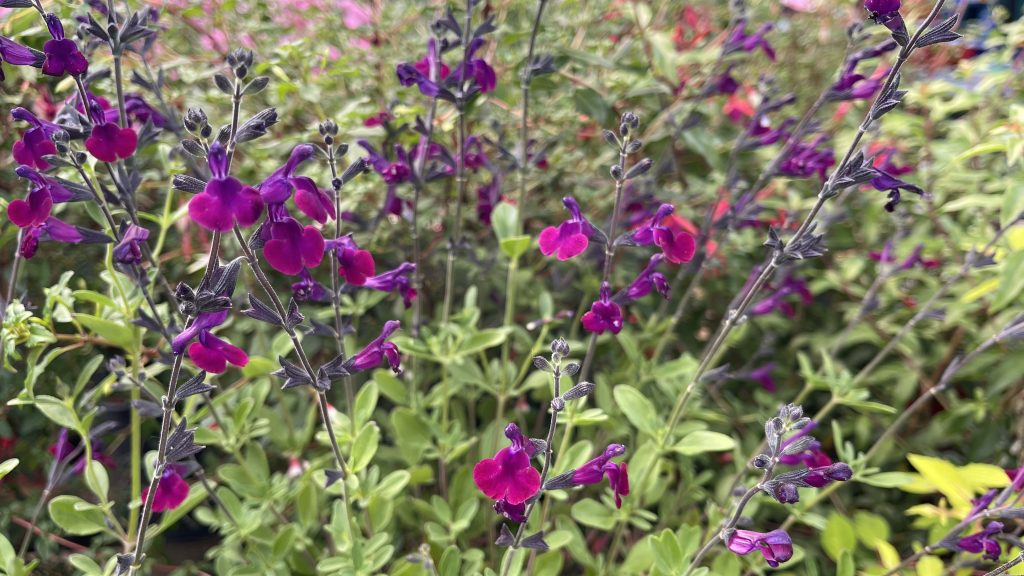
x=545 y=471
x=12 y=282
x=418 y=183
x=1006 y=567
x=339 y=335
x=525 y=77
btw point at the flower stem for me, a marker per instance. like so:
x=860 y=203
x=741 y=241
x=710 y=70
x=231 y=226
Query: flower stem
x=1006 y=567
x=339 y=336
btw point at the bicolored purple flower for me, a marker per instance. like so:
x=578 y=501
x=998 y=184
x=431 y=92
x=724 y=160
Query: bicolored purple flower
x=377 y=352
x=740 y=41
x=138 y=110
x=764 y=135
x=129 y=249
x=309 y=290
x=277 y=188
x=108 y=142
x=776 y=546
x=393 y=172
x=677 y=245
x=207 y=351
x=886 y=182
x=290 y=246
x=725 y=83
x=62 y=55
x=224 y=202
x=779 y=300
x=62 y=448
x=395 y=280
x=983 y=542
x=915 y=258
x=487 y=197
x=13 y=53
x=36 y=142
x=427 y=74
x=514 y=512
x=763 y=376
x=648 y=280
x=52 y=229
x=811 y=457
x=32 y=211
x=604 y=314
x=58 y=192
x=595 y=470
x=355 y=265
x=509 y=479
x=476 y=69
x=807 y=159
x=570 y=238
x=171 y=490
x=1017 y=478
x=854 y=86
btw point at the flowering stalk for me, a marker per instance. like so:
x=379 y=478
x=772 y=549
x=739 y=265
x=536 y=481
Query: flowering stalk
x=418 y=184
x=1006 y=567
x=57 y=467
x=804 y=243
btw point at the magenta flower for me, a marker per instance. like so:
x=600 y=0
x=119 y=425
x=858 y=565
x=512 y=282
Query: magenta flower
x=313 y=201
x=886 y=13
x=1017 y=478
x=763 y=376
x=224 y=202
x=379 y=119
x=825 y=475
x=678 y=247
x=278 y=187
x=983 y=541
x=35 y=143
x=171 y=490
x=62 y=55
x=129 y=250
x=397 y=279
x=882 y=6
x=139 y=111
x=779 y=300
x=604 y=314
x=477 y=69
x=646 y=281
x=393 y=172
x=853 y=86
x=806 y=160
x=39 y=181
x=514 y=512
x=571 y=237
x=208 y=352
x=813 y=456
x=32 y=211
x=740 y=41
x=109 y=142
x=595 y=470
x=427 y=74
x=776 y=546
x=377 y=351
x=508 y=478
x=62 y=448
x=292 y=247
x=18 y=55
x=52 y=229
x=356 y=266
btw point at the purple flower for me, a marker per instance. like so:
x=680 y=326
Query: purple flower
x=140 y=111
x=279 y=186
x=725 y=83
x=128 y=250
x=292 y=247
x=51 y=229
x=397 y=279
x=35 y=143
x=983 y=541
x=604 y=315
x=14 y=53
x=645 y=282
x=204 y=322
x=740 y=41
x=1017 y=477
x=914 y=259
x=62 y=55
x=377 y=351
x=356 y=266
x=763 y=376
x=786 y=493
x=886 y=182
x=595 y=470
x=825 y=475
x=488 y=197
x=508 y=478
x=309 y=290
x=312 y=201
x=171 y=490
x=393 y=172
x=777 y=301
x=108 y=142
x=886 y=13
x=427 y=74
x=812 y=456
x=776 y=546
x=571 y=237
x=62 y=448
x=764 y=135
x=477 y=69
x=32 y=211
x=982 y=503
x=224 y=202
x=208 y=352
x=514 y=512
x=806 y=160
x=678 y=247
x=853 y=86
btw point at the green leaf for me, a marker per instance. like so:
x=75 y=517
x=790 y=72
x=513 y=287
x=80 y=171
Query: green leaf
x=1013 y=204
x=503 y=219
x=945 y=477
x=845 y=567
x=7 y=465
x=930 y=566
x=483 y=340
x=592 y=104
x=638 y=409
x=451 y=562
x=364 y=447
x=868 y=406
x=87 y=565
x=839 y=535
x=119 y=335
x=55 y=409
x=700 y=441
x=65 y=512
x=594 y=514
x=366 y=403
x=887 y=479
x=412 y=434
x=870 y=528
x=516 y=246
x=668 y=555
x=96 y=479
x=1011 y=281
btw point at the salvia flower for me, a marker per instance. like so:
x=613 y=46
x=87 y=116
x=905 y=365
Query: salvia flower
x=309 y=290
x=913 y=260
x=604 y=314
x=508 y=478
x=570 y=238
x=393 y=172
x=886 y=182
x=648 y=280
x=108 y=142
x=292 y=246
x=779 y=300
x=854 y=86
x=983 y=542
x=13 y=53
x=377 y=351
x=224 y=201
x=62 y=448
x=477 y=69
x=57 y=191
x=62 y=55
x=51 y=229
x=355 y=265
x=36 y=142
x=886 y=13
x=595 y=470
x=677 y=245
x=825 y=475
x=427 y=74
x=812 y=456
x=807 y=159
x=138 y=110
x=32 y=211
x=208 y=352
x=763 y=376
x=277 y=188
x=740 y=41
x=171 y=490
x=776 y=546
x=395 y=280
x=129 y=250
